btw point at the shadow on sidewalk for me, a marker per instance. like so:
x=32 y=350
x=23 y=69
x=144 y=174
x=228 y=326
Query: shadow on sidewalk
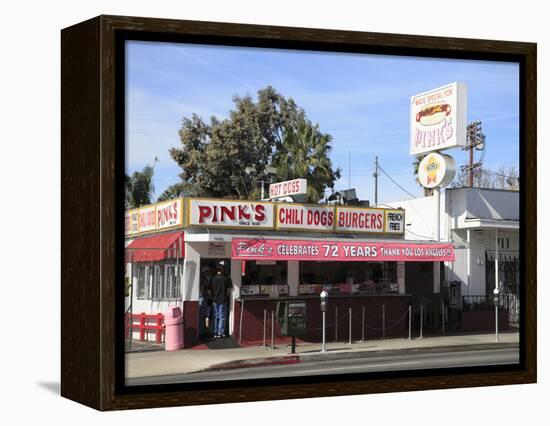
x=223 y=343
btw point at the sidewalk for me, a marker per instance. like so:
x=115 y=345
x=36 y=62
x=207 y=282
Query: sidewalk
x=163 y=363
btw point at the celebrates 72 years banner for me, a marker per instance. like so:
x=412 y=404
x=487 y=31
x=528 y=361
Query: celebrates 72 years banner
x=258 y=249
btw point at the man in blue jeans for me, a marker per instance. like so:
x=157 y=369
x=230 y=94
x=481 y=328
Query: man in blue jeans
x=220 y=287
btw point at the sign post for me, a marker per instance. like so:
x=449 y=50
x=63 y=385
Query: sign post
x=437 y=122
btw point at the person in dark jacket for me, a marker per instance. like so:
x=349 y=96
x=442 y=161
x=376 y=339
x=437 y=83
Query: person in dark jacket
x=205 y=301
x=220 y=288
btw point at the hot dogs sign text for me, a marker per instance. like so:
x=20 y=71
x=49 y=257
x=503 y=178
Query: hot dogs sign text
x=438 y=119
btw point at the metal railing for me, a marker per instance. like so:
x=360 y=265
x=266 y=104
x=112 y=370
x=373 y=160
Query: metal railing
x=486 y=302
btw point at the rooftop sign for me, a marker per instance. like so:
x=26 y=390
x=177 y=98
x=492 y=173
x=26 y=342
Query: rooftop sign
x=438 y=119
x=288 y=188
x=211 y=213
x=249 y=214
x=154 y=217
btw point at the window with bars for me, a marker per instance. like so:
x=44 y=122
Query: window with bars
x=158 y=282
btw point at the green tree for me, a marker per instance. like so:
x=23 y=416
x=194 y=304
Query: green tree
x=214 y=156
x=139 y=187
x=304 y=153
x=180 y=189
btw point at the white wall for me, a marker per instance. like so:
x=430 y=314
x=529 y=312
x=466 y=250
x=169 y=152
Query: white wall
x=420 y=217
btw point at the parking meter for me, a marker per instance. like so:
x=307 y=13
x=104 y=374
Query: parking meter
x=495 y=298
x=324 y=301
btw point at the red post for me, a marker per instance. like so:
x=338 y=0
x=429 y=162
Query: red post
x=142 y=326
x=159 y=328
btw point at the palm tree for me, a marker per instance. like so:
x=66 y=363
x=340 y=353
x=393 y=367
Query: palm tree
x=139 y=187
x=304 y=153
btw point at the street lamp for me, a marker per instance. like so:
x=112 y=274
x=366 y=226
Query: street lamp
x=495 y=300
x=251 y=170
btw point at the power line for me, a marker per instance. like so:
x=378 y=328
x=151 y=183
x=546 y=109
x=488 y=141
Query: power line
x=390 y=178
x=418 y=235
x=499 y=174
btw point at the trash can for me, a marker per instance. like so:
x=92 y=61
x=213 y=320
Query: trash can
x=173 y=320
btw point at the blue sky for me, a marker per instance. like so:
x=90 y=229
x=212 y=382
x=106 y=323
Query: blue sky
x=361 y=100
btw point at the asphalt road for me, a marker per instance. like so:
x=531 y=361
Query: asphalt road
x=347 y=366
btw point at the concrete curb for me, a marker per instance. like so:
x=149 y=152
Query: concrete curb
x=319 y=357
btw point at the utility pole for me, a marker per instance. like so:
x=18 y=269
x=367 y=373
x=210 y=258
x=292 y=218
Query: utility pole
x=476 y=140
x=376 y=174
x=471 y=165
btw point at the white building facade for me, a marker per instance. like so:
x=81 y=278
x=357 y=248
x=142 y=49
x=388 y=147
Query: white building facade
x=480 y=222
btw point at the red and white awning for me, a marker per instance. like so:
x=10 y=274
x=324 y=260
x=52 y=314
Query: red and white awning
x=345 y=251
x=156 y=248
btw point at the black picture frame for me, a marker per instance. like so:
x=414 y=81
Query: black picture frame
x=92 y=170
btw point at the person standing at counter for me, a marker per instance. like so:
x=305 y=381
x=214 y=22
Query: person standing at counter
x=205 y=301
x=220 y=288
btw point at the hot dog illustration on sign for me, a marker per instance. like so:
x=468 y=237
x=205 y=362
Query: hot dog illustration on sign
x=433 y=114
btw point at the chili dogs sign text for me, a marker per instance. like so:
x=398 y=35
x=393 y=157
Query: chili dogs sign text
x=303 y=217
x=438 y=119
x=230 y=214
x=257 y=249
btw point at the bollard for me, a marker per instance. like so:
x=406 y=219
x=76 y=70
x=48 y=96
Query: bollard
x=410 y=322
x=496 y=322
x=363 y=325
x=265 y=321
x=336 y=323
x=443 y=316
x=272 y=329
x=383 y=321
x=241 y=322
x=324 y=349
x=421 y=319
x=349 y=335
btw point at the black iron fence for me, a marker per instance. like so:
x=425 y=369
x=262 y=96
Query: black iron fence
x=487 y=302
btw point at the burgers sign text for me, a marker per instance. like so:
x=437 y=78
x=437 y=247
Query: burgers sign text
x=438 y=119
